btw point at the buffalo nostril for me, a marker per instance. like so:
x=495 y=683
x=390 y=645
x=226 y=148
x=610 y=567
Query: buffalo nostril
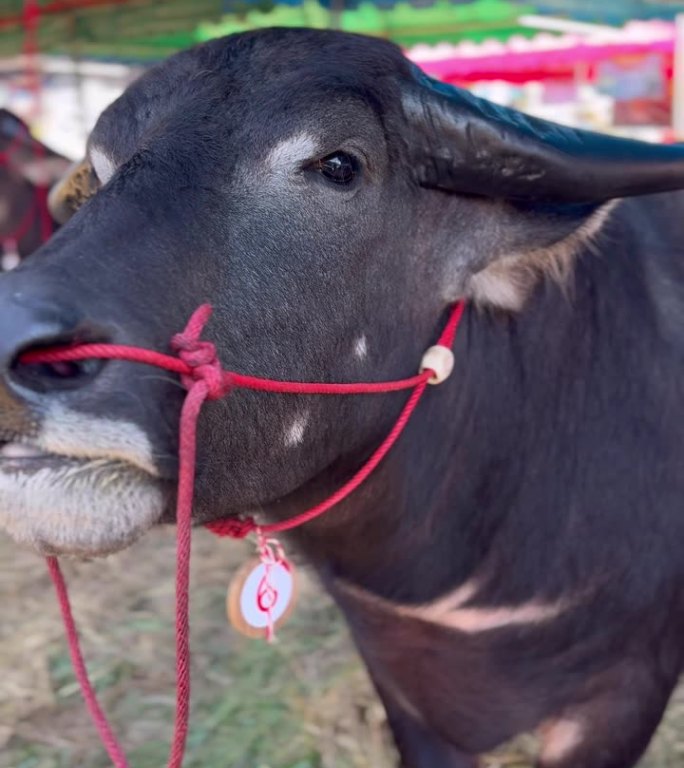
x=64 y=369
x=53 y=376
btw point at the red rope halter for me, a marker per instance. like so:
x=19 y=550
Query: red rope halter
x=204 y=379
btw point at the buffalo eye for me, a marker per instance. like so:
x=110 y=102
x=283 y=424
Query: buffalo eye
x=339 y=168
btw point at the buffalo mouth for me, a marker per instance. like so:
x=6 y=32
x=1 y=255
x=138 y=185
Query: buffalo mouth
x=28 y=458
x=75 y=505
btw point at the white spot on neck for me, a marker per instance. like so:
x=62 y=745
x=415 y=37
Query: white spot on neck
x=361 y=347
x=294 y=434
x=103 y=165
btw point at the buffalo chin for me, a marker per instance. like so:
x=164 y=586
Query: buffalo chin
x=69 y=506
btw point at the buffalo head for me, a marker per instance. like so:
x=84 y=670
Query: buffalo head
x=330 y=202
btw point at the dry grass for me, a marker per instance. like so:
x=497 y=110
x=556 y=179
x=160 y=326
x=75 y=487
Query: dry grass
x=303 y=703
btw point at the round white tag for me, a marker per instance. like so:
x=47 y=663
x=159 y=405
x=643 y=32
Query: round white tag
x=260 y=597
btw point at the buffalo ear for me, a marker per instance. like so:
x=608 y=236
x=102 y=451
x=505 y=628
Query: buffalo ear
x=11 y=124
x=32 y=160
x=466 y=145
x=537 y=193
x=77 y=186
x=530 y=244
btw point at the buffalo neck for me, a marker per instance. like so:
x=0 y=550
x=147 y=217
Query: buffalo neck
x=421 y=523
x=504 y=466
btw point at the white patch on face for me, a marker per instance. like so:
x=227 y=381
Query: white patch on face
x=84 y=485
x=103 y=166
x=290 y=153
x=560 y=738
x=294 y=434
x=361 y=347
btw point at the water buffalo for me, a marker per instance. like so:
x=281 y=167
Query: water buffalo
x=27 y=169
x=516 y=563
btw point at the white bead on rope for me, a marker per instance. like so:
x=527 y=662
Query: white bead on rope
x=439 y=360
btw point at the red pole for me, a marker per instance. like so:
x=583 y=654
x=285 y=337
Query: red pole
x=59 y=6
x=31 y=21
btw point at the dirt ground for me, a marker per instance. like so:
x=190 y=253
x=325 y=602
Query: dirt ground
x=302 y=703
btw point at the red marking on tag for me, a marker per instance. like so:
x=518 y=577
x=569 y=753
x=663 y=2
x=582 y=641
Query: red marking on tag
x=263 y=592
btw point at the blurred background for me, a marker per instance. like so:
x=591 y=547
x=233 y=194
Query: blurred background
x=610 y=65
x=605 y=64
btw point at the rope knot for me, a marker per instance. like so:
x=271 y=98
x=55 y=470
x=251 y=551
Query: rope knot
x=200 y=356
x=232 y=527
